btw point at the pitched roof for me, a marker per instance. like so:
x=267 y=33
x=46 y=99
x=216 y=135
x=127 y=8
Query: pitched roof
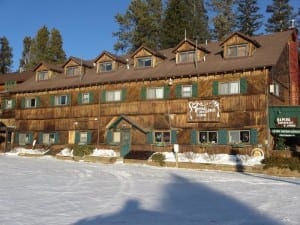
x=56 y=68
x=266 y=56
x=86 y=63
x=113 y=56
x=17 y=76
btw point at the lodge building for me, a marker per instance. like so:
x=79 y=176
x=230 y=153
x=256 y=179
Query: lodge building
x=204 y=97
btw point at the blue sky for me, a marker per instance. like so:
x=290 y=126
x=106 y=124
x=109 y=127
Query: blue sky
x=86 y=26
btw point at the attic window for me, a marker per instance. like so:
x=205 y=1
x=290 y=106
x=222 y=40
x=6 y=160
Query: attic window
x=144 y=62
x=105 y=67
x=186 y=57
x=43 y=75
x=73 y=71
x=237 y=50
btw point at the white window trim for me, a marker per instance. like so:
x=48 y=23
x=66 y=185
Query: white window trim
x=186 y=94
x=144 y=59
x=58 y=100
x=207 y=137
x=239 y=138
x=28 y=102
x=113 y=96
x=102 y=67
x=158 y=93
x=227 y=88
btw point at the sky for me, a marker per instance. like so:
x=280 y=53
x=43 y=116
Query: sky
x=45 y=190
x=86 y=26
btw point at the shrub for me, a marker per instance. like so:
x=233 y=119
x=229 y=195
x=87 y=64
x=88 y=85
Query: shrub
x=292 y=163
x=158 y=157
x=82 y=150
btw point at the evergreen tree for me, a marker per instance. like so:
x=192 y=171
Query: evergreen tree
x=24 y=61
x=184 y=17
x=281 y=14
x=5 y=56
x=139 y=25
x=248 y=19
x=224 y=21
x=56 y=52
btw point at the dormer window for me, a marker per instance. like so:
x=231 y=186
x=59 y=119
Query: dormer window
x=186 y=57
x=105 y=67
x=144 y=62
x=237 y=50
x=73 y=71
x=43 y=75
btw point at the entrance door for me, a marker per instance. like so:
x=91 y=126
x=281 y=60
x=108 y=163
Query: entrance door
x=125 y=142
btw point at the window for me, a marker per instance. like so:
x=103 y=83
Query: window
x=10 y=84
x=73 y=71
x=112 y=96
x=9 y=104
x=105 y=67
x=48 y=138
x=85 y=98
x=228 y=88
x=239 y=136
x=144 y=62
x=237 y=50
x=155 y=93
x=83 y=137
x=162 y=137
x=116 y=136
x=61 y=100
x=24 y=139
x=208 y=137
x=186 y=57
x=186 y=91
x=43 y=75
x=30 y=103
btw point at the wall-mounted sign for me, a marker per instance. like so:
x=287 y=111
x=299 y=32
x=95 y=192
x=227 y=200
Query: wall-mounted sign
x=204 y=110
x=286 y=122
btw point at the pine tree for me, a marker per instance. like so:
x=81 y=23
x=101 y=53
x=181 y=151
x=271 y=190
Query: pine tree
x=281 y=14
x=139 y=25
x=224 y=21
x=248 y=18
x=5 y=56
x=56 y=52
x=24 y=61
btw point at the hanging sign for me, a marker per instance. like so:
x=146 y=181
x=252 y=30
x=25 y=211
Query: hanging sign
x=204 y=110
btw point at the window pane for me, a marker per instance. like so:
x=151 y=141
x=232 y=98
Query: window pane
x=22 y=140
x=158 y=136
x=212 y=136
x=186 y=91
x=234 y=87
x=83 y=138
x=234 y=136
x=223 y=88
x=105 y=67
x=117 y=137
x=245 y=136
x=113 y=96
x=185 y=57
x=203 y=137
x=46 y=139
x=159 y=93
x=166 y=137
x=8 y=104
x=144 y=62
x=85 y=98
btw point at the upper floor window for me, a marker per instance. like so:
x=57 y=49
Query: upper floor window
x=155 y=93
x=228 y=88
x=30 y=102
x=9 y=104
x=144 y=62
x=186 y=91
x=105 y=67
x=186 y=57
x=112 y=96
x=237 y=50
x=43 y=75
x=73 y=70
x=85 y=98
x=10 y=84
x=61 y=100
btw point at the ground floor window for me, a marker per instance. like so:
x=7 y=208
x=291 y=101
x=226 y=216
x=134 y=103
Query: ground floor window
x=208 y=137
x=48 y=138
x=239 y=136
x=24 y=138
x=162 y=136
x=116 y=136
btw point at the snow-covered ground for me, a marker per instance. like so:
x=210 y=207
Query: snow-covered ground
x=44 y=190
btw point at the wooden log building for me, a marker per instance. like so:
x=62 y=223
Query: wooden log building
x=211 y=97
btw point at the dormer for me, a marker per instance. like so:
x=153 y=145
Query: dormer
x=238 y=45
x=144 y=57
x=189 y=52
x=76 y=67
x=45 y=71
x=107 y=62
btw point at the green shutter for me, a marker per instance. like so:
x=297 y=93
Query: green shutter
x=77 y=137
x=178 y=90
x=253 y=136
x=68 y=99
x=3 y=104
x=150 y=137
x=143 y=93
x=124 y=92
x=173 y=137
x=195 y=90
x=52 y=97
x=22 y=103
x=56 y=137
x=109 y=137
x=222 y=137
x=103 y=96
x=91 y=97
x=30 y=138
x=79 y=98
x=243 y=85
x=13 y=103
x=16 y=138
x=215 y=88
x=38 y=101
x=40 y=138
x=89 y=137
x=194 y=137
x=166 y=92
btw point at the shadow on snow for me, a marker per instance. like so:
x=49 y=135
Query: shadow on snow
x=186 y=203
